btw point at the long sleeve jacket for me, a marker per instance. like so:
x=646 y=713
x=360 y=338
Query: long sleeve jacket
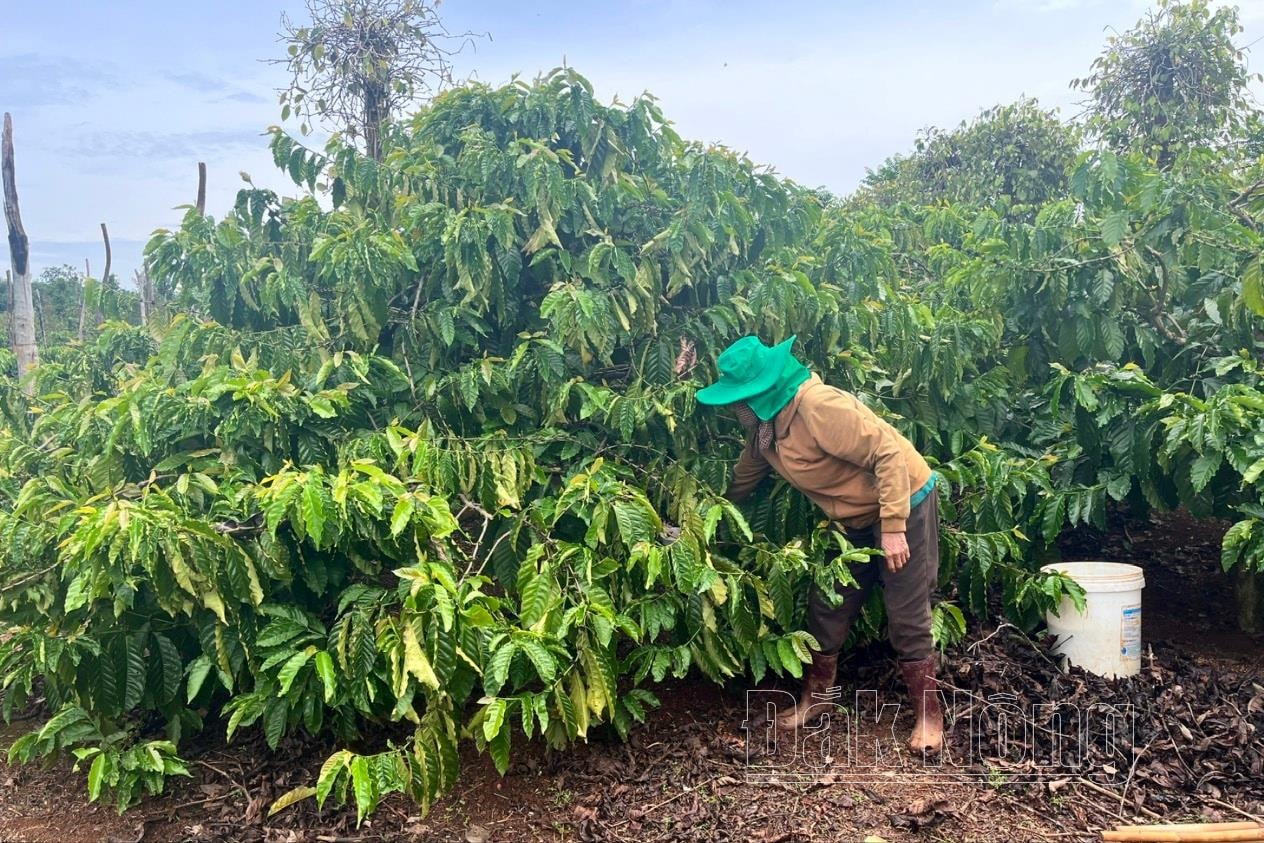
x=856 y=467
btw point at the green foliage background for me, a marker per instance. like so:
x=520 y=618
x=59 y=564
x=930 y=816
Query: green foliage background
x=398 y=467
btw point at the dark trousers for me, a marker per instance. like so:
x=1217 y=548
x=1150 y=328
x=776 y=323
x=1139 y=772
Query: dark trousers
x=905 y=592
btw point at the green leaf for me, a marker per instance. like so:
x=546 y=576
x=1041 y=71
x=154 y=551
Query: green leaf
x=325 y=670
x=537 y=597
x=1119 y=486
x=198 y=670
x=289 y=671
x=1113 y=227
x=134 y=687
x=1253 y=472
x=275 y=717
x=1253 y=286
x=1234 y=540
x=97 y=775
x=637 y=521
x=494 y=717
x=499 y=749
x=172 y=671
x=1112 y=338
x=403 y=514
x=364 y=786
x=329 y=772
x=498 y=668
x=545 y=664
x=790 y=660
x=322 y=407
x=313 y=510
x=1204 y=469
x=79 y=591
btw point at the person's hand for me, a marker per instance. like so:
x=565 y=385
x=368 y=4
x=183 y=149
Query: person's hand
x=896 y=550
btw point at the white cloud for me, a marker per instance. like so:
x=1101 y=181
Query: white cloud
x=1044 y=5
x=842 y=99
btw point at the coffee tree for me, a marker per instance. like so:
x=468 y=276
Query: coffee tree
x=400 y=468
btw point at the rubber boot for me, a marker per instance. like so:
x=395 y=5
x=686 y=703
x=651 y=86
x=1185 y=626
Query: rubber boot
x=818 y=677
x=928 y=731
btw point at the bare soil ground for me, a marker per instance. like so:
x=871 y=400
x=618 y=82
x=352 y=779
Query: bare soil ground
x=694 y=773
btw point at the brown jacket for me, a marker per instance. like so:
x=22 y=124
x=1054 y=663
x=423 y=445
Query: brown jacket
x=852 y=464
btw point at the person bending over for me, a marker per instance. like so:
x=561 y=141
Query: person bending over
x=871 y=483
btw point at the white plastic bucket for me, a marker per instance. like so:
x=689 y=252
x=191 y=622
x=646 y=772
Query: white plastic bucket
x=1106 y=638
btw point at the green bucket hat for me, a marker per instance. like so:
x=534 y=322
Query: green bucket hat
x=765 y=378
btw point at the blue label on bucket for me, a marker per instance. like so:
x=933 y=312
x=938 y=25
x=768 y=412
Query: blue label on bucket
x=1130 y=632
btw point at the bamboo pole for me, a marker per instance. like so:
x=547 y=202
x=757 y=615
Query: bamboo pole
x=1187 y=833
x=1225 y=826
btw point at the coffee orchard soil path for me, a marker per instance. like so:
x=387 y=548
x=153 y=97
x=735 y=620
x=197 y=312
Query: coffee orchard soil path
x=693 y=774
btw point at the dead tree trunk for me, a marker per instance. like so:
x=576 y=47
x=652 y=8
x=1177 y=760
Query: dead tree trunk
x=147 y=299
x=1249 y=593
x=151 y=301
x=39 y=317
x=105 y=276
x=201 y=194
x=83 y=298
x=24 y=345
x=140 y=295
x=374 y=117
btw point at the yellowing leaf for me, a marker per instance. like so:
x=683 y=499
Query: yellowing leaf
x=402 y=515
x=287 y=799
x=415 y=660
x=212 y=601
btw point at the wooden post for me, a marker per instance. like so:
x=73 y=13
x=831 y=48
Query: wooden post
x=201 y=194
x=24 y=345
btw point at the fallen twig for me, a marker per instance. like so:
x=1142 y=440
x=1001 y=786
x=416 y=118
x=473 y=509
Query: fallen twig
x=1123 y=794
x=1219 y=803
x=197 y=802
x=667 y=801
x=1110 y=794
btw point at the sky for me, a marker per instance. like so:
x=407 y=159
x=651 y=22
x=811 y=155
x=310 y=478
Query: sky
x=114 y=103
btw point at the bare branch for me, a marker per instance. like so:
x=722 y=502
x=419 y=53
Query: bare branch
x=360 y=63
